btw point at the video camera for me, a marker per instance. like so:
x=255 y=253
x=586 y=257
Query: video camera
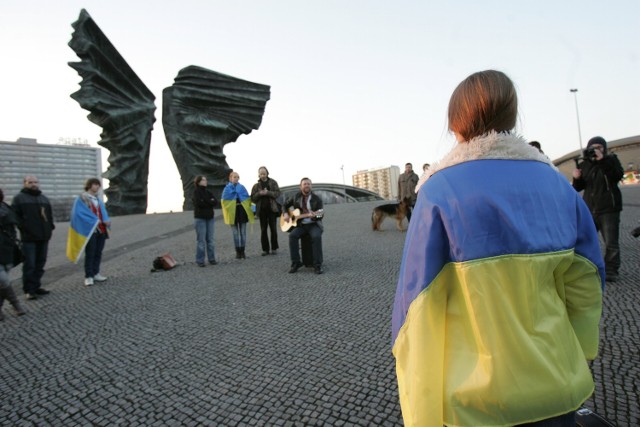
x=590 y=154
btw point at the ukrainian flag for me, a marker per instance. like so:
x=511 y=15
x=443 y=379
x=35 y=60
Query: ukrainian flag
x=81 y=228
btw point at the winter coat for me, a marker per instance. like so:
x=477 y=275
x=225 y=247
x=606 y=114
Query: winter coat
x=499 y=294
x=203 y=203
x=599 y=180
x=8 y=221
x=35 y=217
x=267 y=202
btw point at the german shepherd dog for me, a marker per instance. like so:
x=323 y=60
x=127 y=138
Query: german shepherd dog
x=391 y=210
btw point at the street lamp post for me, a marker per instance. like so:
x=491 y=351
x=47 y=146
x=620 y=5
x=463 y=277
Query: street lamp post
x=575 y=98
x=344 y=185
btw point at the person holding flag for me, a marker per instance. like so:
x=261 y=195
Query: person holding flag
x=236 y=210
x=88 y=231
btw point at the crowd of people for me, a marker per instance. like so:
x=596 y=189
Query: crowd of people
x=499 y=294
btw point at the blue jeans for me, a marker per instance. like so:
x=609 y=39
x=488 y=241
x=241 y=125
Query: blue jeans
x=204 y=239
x=93 y=254
x=35 y=257
x=608 y=224
x=239 y=234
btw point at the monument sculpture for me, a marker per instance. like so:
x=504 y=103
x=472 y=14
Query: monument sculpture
x=123 y=106
x=202 y=111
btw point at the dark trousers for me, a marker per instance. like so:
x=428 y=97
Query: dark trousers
x=313 y=231
x=93 y=254
x=268 y=220
x=608 y=224
x=35 y=257
x=566 y=420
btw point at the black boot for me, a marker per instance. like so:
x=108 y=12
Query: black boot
x=13 y=299
x=242 y=252
x=238 y=255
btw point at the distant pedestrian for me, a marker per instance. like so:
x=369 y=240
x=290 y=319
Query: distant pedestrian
x=236 y=210
x=203 y=205
x=407 y=182
x=425 y=167
x=598 y=175
x=8 y=237
x=35 y=221
x=94 y=212
x=264 y=194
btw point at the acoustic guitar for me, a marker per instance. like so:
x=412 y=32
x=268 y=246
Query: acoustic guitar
x=295 y=216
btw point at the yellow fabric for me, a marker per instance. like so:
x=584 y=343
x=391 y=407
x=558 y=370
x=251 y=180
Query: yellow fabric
x=498 y=341
x=75 y=245
x=229 y=211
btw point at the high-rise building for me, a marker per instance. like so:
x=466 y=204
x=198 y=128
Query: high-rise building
x=382 y=180
x=61 y=170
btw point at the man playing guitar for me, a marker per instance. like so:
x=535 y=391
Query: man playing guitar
x=308 y=222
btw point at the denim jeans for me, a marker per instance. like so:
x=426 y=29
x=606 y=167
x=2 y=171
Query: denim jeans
x=268 y=220
x=204 y=239
x=315 y=232
x=35 y=257
x=239 y=234
x=608 y=224
x=93 y=254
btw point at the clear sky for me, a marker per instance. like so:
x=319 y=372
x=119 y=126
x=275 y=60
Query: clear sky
x=354 y=83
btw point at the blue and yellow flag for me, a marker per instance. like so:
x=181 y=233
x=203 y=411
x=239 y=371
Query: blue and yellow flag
x=83 y=224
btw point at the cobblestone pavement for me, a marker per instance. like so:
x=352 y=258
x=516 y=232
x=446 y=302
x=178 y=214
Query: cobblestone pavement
x=244 y=342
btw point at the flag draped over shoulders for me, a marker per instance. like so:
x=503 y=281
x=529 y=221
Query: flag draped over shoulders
x=82 y=225
x=230 y=195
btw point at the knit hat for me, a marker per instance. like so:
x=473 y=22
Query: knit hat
x=597 y=140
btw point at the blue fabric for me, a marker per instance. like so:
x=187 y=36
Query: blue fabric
x=233 y=192
x=530 y=219
x=204 y=240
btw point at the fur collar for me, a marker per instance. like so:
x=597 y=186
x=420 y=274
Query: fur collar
x=493 y=145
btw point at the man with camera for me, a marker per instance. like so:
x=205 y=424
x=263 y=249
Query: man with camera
x=598 y=175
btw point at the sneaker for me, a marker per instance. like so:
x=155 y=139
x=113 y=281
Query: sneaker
x=99 y=278
x=88 y=281
x=41 y=291
x=265 y=253
x=31 y=296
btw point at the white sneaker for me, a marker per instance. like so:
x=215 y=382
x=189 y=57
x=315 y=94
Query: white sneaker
x=88 y=281
x=99 y=278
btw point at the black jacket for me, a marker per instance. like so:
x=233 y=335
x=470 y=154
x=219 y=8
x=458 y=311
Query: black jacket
x=8 y=223
x=315 y=202
x=599 y=180
x=203 y=203
x=35 y=217
x=266 y=203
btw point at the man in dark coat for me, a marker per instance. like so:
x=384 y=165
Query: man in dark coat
x=309 y=223
x=598 y=175
x=35 y=221
x=407 y=182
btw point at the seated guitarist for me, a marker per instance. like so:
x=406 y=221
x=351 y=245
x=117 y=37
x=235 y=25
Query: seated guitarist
x=309 y=223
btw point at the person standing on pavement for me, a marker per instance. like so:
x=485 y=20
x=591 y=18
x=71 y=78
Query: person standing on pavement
x=8 y=237
x=203 y=205
x=264 y=194
x=499 y=294
x=95 y=244
x=236 y=210
x=35 y=221
x=308 y=223
x=598 y=175
x=407 y=182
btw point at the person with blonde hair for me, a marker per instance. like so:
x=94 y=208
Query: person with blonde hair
x=499 y=294
x=236 y=211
